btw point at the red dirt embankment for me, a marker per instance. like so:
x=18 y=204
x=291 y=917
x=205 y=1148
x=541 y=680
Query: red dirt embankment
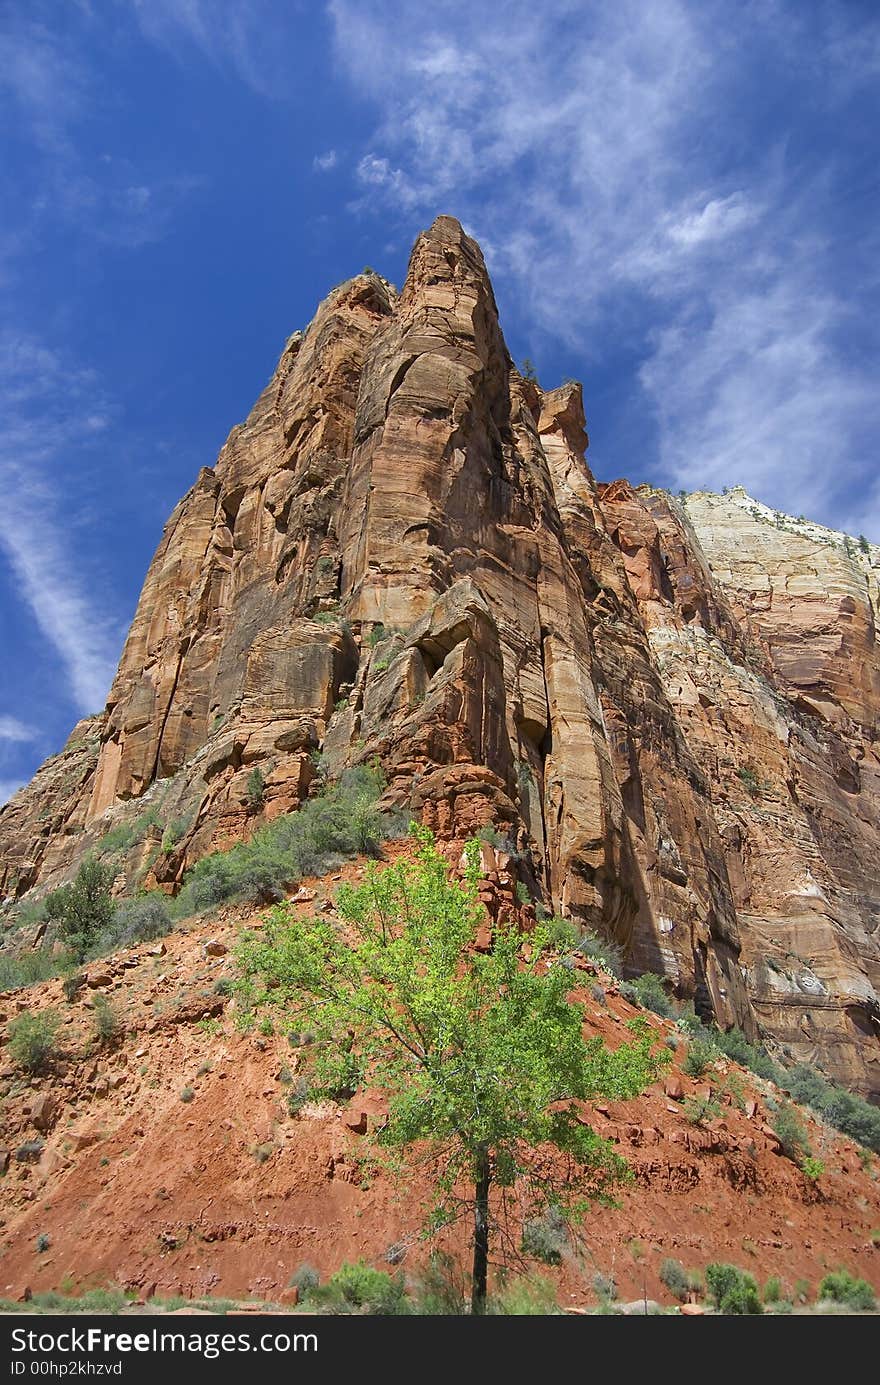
x=171 y=1164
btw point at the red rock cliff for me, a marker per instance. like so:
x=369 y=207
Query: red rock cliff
x=671 y=708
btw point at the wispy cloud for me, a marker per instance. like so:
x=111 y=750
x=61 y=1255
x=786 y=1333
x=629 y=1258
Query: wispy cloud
x=11 y=729
x=257 y=40
x=610 y=161
x=49 y=411
x=322 y=163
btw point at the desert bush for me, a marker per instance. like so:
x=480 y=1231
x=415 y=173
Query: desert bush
x=732 y=1290
x=606 y=954
x=341 y=822
x=256 y=788
x=734 y=1044
x=108 y=1026
x=604 y=1287
x=140 y=920
x=83 y=909
x=773 y=1289
x=524 y=1296
x=359 y=1287
x=443 y=1288
x=652 y=994
x=674 y=1275
x=546 y=1237
x=305 y=1279
x=700 y=1056
x=698 y=1110
x=73 y=984
x=27 y=969
x=126 y=834
x=32 y=1039
x=789 y=1130
x=841 y=1287
x=848 y=1113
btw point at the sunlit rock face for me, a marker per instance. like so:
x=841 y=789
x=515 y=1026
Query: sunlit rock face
x=668 y=707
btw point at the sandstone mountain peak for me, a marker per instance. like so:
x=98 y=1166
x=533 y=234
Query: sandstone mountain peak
x=669 y=711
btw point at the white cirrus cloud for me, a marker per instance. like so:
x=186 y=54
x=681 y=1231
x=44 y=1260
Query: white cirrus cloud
x=47 y=410
x=629 y=201
x=15 y=731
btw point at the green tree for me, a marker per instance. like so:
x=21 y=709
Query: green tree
x=482 y=1054
x=83 y=909
x=256 y=788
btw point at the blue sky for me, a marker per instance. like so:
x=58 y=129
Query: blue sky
x=677 y=199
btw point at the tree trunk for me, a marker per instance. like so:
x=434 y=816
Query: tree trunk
x=481 y=1233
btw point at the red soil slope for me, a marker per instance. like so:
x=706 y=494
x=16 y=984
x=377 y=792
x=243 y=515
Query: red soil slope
x=227 y=1193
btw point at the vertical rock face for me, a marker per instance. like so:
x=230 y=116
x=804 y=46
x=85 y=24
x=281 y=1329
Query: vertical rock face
x=670 y=710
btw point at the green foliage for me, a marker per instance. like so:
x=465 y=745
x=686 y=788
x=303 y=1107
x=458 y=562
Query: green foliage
x=305 y=1279
x=751 y=783
x=187 y=1094
x=699 y=1110
x=734 y=1044
x=527 y=370
x=850 y=1114
x=674 y=1275
x=108 y=1026
x=841 y=1287
x=256 y=788
x=376 y=635
x=342 y=821
x=173 y=834
x=773 y=1289
x=72 y=985
x=813 y=1168
x=732 y=1289
x=380 y=665
x=863 y=544
x=360 y=1288
x=43 y=1243
x=652 y=994
x=522 y=893
x=482 y=1054
x=491 y=836
x=441 y=1290
x=604 y=953
x=525 y=1296
x=83 y=909
x=140 y=920
x=127 y=834
x=298 y=1096
x=546 y=1237
x=789 y=1130
x=32 y=1039
x=700 y=1057
x=27 y=969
